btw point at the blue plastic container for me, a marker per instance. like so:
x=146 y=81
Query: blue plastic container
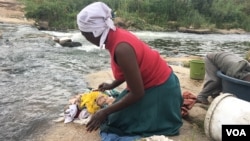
x=239 y=88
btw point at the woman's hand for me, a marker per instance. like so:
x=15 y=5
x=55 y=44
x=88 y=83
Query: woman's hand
x=96 y=120
x=109 y=86
x=105 y=86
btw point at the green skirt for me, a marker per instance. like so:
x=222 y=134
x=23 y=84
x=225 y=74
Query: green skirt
x=158 y=113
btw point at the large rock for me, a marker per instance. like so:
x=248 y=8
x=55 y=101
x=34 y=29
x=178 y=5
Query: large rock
x=67 y=42
x=196 y=31
x=210 y=31
x=42 y=25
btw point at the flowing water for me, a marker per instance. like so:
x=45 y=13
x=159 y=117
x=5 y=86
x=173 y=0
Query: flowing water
x=38 y=76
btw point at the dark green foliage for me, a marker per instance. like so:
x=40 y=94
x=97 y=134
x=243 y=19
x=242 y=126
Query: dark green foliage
x=61 y=14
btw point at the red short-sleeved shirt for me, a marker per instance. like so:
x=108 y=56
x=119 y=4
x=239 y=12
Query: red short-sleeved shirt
x=154 y=70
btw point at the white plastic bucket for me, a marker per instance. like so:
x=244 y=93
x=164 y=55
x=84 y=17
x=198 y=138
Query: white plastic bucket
x=225 y=109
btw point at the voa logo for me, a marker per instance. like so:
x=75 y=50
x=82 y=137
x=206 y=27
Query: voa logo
x=236 y=132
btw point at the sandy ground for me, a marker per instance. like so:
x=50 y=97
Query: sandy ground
x=12 y=12
x=192 y=130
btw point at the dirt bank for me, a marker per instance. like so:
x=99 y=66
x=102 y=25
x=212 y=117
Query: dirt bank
x=11 y=11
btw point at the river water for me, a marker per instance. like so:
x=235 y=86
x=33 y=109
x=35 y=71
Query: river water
x=38 y=76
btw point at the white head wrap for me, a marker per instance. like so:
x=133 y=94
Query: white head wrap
x=96 y=18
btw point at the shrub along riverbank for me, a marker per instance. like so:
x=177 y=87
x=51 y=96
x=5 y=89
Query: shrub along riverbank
x=145 y=14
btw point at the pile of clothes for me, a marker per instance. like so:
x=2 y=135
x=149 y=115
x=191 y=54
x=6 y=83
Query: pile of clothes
x=82 y=106
x=188 y=103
